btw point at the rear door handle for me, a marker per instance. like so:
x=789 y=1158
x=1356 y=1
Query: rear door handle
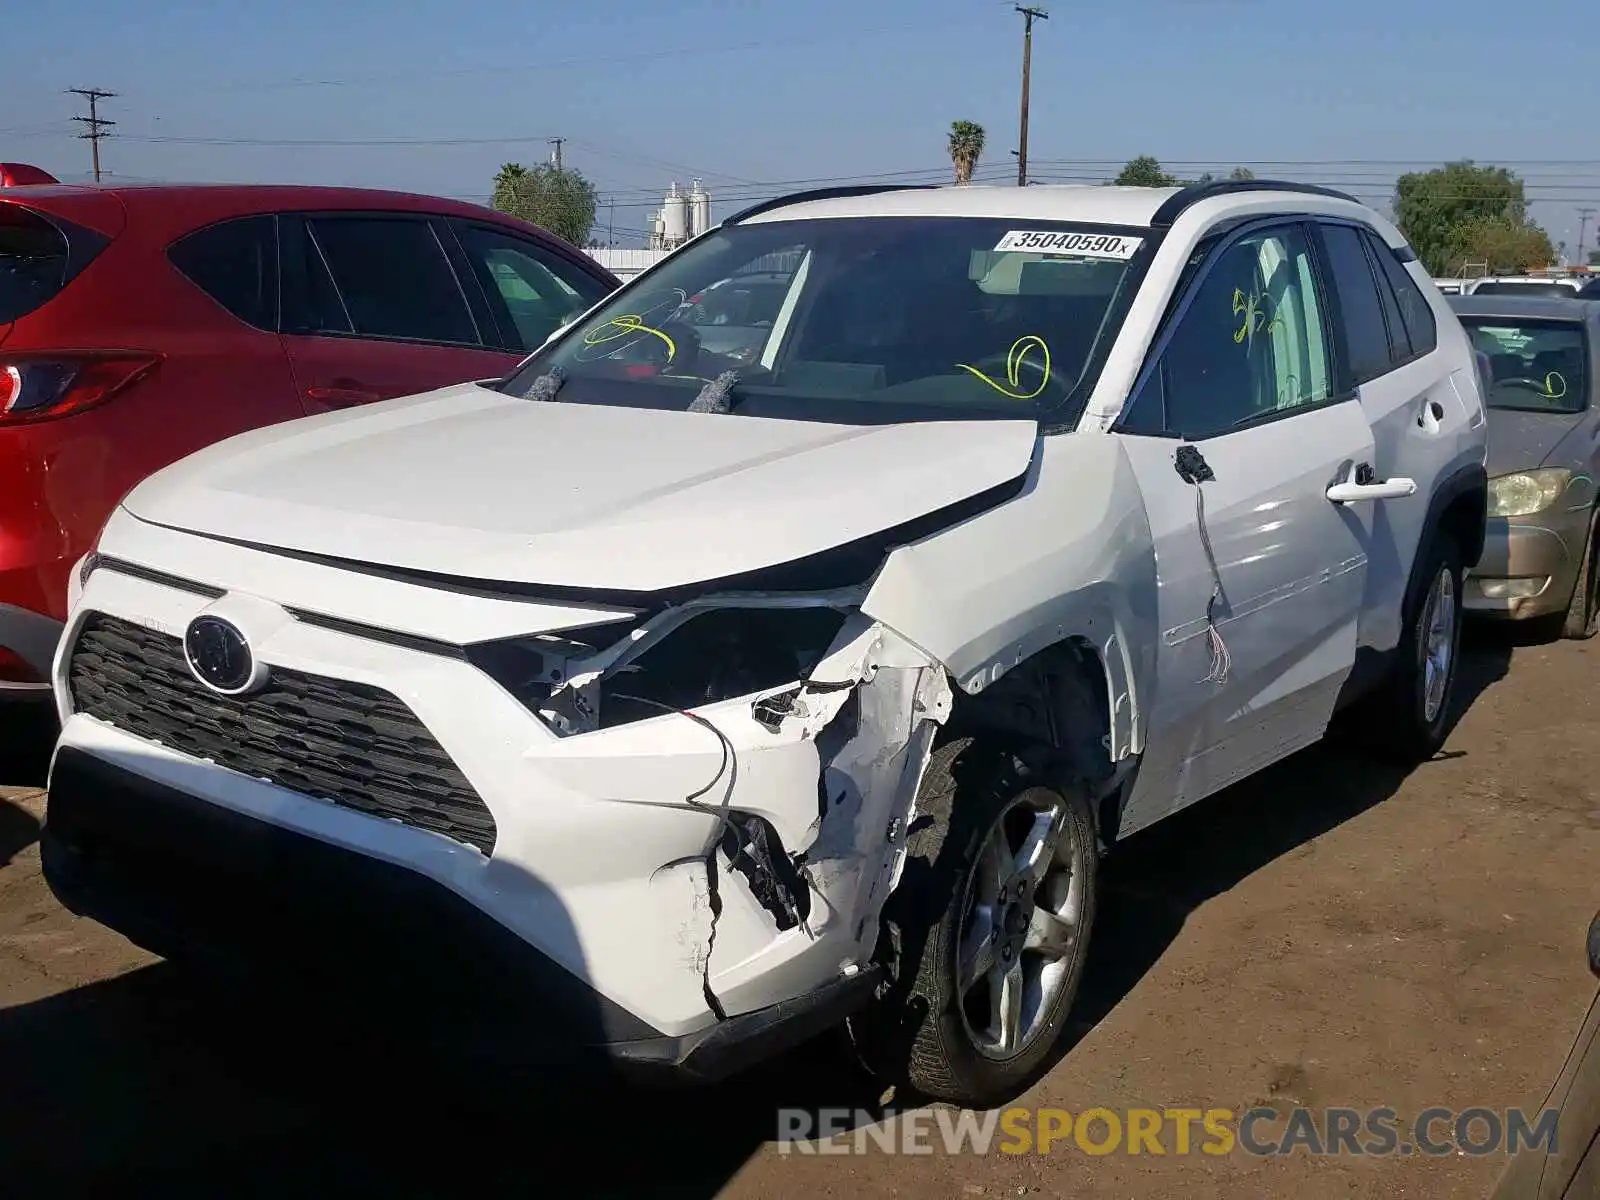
x=1361 y=486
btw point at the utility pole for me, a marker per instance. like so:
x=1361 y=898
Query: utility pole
x=555 y=156
x=1583 y=228
x=1028 y=15
x=96 y=124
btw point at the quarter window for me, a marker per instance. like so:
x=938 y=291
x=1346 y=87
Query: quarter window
x=394 y=279
x=1251 y=344
x=236 y=264
x=539 y=292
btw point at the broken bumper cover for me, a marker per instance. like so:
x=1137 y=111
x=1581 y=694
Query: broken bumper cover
x=692 y=870
x=186 y=878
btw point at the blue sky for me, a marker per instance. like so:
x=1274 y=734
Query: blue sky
x=748 y=93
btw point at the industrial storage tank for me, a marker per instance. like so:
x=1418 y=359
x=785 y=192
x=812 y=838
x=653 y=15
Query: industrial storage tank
x=699 y=209
x=675 y=217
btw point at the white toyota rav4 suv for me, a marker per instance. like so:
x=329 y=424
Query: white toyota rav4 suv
x=676 y=703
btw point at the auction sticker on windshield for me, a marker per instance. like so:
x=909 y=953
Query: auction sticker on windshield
x=1079 y=245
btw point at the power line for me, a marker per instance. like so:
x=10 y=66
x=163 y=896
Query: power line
x=94 y=125
x=544 y=67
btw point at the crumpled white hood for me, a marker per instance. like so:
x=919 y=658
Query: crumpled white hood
x=472 y=483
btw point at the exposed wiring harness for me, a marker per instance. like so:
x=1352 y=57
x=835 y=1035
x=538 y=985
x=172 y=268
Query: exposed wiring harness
x=1194 y=470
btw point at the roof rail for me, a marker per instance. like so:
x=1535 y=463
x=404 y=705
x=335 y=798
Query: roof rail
x=831 y=193
x=1175 y=205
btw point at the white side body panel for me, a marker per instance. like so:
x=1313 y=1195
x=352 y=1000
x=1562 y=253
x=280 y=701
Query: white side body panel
x=1428 y=422
x=1292 y=566
x=1069 y=557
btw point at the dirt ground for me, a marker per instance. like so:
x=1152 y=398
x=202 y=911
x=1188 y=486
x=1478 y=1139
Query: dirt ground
x=1329 y=934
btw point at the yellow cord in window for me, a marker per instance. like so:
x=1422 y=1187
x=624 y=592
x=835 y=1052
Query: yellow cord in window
x=1014 y=359
x=622 y=326
x=1551 y=381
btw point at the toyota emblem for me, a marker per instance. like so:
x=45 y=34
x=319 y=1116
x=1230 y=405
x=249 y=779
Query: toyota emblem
x=220 y=657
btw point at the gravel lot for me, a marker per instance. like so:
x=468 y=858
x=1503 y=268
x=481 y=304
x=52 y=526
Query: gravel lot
x=1329 y=934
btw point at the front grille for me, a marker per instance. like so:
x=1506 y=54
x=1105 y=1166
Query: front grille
x=350 y=743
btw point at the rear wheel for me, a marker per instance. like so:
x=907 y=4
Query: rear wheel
x=987 y=931
x=1408 y=717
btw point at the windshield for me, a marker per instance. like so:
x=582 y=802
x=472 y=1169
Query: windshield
x=858 y=320
x=1535 y=366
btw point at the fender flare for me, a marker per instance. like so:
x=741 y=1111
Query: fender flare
x=1464 y=481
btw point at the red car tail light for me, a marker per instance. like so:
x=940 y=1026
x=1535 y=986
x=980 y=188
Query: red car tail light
x=46 y=386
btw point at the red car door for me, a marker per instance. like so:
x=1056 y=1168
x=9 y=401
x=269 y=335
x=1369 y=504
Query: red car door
x=375 y=307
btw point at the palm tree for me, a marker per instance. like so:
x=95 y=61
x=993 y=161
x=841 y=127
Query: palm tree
x=966 y=148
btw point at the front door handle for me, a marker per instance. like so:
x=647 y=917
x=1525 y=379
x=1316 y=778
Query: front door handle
x=1361 y=486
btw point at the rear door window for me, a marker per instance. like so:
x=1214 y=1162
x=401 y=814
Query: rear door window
x=236 y=264
x=393 y=279
x=33 y=262
x=1360 y=309
x=1421 y=331
x=1399 y=339
x=532 y=291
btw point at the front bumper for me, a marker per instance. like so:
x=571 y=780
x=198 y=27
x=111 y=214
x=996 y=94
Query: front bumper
x=599 y=856
x=1528 y=569
x=186 y=878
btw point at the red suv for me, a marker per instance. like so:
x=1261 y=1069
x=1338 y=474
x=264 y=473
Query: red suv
x=139 y=324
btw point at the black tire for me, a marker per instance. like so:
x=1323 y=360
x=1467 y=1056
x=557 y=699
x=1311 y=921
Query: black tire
x=916 y=1035
x=1582 y=618
x=1397 y=720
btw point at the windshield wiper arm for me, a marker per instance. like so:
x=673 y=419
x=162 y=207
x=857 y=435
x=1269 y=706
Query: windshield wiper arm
x=717 y=396
x=546 y=386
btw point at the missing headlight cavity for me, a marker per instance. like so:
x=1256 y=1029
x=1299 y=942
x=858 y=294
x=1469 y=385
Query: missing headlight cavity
x=754 y=851
x=530 y=667
x=720 y=654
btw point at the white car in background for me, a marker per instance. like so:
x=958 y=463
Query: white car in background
x=676 y=704
x=1524 y=285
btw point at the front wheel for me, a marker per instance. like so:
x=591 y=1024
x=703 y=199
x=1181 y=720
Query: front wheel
x=990 y=927
x=1581 y=621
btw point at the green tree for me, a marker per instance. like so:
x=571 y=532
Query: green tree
x=966 y=148
x=1242 y=173
x=1510 y=246
x=1144 y=171
x=560 y=200
x=1448 y=212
